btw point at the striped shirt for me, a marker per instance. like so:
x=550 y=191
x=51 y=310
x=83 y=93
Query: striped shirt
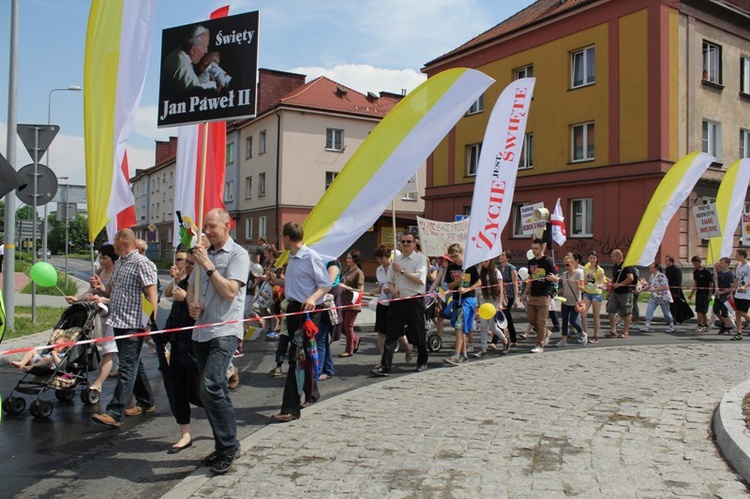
x=131 y=276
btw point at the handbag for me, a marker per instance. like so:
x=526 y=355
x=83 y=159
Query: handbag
x=330 y=305
x=580 y=307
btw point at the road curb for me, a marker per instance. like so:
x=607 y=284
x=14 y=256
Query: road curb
x=732 y=436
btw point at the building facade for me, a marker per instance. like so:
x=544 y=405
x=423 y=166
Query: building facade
x=279 y=163
x=624 y=88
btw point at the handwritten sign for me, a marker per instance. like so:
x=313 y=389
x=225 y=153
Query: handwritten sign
x=528 y=223
x=707 y=221
x=435 y=237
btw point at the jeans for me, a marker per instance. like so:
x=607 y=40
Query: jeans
x=213 y=358
x=324 y=348
x=570 y=316
x=132 y=379
x=664 y=310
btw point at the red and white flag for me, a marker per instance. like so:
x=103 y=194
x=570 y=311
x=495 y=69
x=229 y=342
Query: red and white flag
x=188 y=165
x=557 y=220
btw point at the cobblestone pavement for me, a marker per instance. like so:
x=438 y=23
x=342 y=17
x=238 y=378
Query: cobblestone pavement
x=627 y=421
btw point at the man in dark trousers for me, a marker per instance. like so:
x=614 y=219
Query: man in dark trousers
x=679 y=307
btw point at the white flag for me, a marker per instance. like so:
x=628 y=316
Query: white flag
x=496 y=171
x=559 y=234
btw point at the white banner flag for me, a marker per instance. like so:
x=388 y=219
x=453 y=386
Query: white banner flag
x=496 y=171
x=435 y=237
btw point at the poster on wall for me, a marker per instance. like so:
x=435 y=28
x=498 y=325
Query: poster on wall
x=209 y=70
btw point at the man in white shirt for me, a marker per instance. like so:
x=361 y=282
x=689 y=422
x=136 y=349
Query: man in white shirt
x=742 y=291
x=406 y=276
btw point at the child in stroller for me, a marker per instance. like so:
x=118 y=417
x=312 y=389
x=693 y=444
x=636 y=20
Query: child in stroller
x=49 y=359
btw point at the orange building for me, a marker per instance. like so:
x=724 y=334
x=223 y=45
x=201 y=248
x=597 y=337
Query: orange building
x=624 y=88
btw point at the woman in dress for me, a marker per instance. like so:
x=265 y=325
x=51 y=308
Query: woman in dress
x=572 y=286
x=352 y=280
x=492 y=292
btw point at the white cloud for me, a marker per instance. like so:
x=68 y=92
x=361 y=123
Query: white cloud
x=144 y=124
x=366 y=78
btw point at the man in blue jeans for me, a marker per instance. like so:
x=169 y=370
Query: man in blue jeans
x=220 y=276
x=133 y=275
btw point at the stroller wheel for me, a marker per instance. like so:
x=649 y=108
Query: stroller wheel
x=434 y=343
x=14 y=405
x=90 y=396
x=65 y=395
x=41 y=409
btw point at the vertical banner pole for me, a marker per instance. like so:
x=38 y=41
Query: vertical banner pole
x=201 y=193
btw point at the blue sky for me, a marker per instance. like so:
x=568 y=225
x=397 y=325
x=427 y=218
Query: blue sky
x=369 y=45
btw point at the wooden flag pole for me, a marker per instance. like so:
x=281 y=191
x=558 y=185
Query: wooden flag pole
x=201 y=192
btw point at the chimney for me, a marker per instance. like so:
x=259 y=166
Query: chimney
x=273 y=85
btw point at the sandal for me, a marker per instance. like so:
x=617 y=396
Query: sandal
x=623 y=335
x=610 y=335
x=356 y=346
x=345 y=354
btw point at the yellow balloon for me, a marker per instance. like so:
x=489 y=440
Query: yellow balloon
x=487 y=311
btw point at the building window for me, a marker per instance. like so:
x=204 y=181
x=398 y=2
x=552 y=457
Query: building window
x=229 y=191
x=261 y=184
x=745 y=75
x=262 y=226
x=248 y=187
x=330 y=177
x=711 y=143
x=248 y=147
x=582 y=67
x=527 y=153
x=409 y=196
x=711 y=63
x=582 y=215
x=262 y=142
x=334 y=139
x=524 y=72
x=248 y=229
x=171 y=179
x=477 y=106
x=517 y=219
x=583 y=142
x=472 y=158
x=230 y=153
x=744 y=143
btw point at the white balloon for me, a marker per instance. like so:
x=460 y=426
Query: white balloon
x=257 y=270
x=523 y=273
x=529 y=255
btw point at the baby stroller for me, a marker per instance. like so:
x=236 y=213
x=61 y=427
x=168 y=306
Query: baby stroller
x=76 y=324
x=432 y=310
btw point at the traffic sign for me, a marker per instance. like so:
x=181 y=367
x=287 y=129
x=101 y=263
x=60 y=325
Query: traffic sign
x=28 y=135
x=46 y=185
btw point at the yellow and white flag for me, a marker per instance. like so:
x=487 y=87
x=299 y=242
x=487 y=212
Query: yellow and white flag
x=388 y=158
x=118 y=44
x=673 y=189
x=730 y=205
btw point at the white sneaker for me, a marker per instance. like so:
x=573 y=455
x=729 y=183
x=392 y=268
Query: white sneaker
x=671 y=328
x=537 y=349
x=644 y=329
x=583 y=339
x=561 y=343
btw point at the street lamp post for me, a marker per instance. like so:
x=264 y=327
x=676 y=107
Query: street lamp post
x=67 y=209
x=71 y=88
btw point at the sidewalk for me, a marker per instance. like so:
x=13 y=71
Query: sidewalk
x=37 y=339
x=604 y=422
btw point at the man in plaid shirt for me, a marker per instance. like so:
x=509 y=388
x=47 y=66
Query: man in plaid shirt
x=134 y=274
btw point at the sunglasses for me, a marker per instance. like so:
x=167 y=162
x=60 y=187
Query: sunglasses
x=190 y=263
x=406 y=242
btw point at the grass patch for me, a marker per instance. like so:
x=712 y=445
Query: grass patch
x=746 y=410
x=68 y=287
x=46 y=318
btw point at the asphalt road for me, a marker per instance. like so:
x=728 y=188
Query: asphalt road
x=68 y=454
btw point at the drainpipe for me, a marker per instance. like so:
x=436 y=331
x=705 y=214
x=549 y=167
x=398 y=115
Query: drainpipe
x=278 y=177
